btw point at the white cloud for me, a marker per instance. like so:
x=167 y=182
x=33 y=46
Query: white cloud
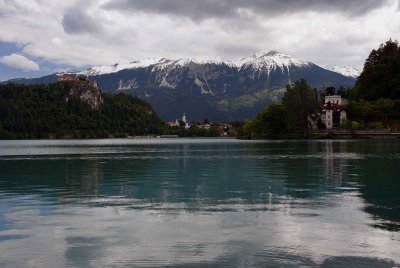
x=65 y=32
x=19 y=62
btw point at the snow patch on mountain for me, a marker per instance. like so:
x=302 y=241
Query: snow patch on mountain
x=165 y=83
x=130 y=84
x=347 y=71
x=203 y=86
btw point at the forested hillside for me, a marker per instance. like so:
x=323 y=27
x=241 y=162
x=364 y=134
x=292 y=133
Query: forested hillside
x=380 y=77
x=375 y=100
x=57 y=110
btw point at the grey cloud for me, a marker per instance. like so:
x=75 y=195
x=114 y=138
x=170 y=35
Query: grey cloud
x=235 y=51
x=75 y=21
x=200 y=10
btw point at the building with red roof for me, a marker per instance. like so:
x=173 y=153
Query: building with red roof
x=333 y=112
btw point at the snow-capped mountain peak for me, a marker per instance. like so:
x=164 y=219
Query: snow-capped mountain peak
x=270 y=61
x=184 y=62
x=347 y=71
x=260 y=62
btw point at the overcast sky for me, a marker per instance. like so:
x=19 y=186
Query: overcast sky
x=40 y=37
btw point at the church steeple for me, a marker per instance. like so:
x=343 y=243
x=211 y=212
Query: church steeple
x=184 y=117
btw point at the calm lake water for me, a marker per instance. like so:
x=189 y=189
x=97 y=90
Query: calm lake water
x=199 y=203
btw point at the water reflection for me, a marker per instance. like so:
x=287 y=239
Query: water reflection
x=302 y=203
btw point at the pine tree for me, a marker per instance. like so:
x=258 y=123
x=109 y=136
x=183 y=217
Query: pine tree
x=300 y=102
x=381 y=75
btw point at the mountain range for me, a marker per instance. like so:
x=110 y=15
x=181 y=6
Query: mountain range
x=213 y=89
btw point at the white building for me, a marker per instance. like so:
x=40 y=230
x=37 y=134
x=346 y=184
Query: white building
x=177 y=124
x=333 y=113
x=336 y=99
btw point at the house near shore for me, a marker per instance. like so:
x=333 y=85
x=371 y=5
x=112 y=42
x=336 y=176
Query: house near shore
x=332 y=111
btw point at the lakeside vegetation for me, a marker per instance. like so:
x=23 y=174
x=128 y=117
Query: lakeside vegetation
x=287 y=120
x=374 y=102
x=50 y=111
x=200 y=130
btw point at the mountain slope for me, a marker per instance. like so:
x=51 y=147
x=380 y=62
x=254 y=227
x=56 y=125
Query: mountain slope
x=213 y=89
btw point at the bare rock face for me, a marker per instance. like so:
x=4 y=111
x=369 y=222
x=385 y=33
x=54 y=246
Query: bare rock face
x=89 y=95
x=82 y=88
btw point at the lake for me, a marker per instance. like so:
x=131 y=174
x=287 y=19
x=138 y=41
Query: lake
x=199 y=203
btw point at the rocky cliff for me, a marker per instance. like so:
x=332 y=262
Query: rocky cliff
x=84 y=89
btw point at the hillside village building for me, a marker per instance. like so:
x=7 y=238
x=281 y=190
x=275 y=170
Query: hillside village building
x=333 y=112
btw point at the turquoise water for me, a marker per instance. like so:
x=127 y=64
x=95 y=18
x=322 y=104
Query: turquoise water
x=199 y=203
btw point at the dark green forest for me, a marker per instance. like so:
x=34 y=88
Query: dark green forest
x=375 y=99
x=380 y=77
x=43 y=111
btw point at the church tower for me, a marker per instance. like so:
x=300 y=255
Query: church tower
x=184 y=118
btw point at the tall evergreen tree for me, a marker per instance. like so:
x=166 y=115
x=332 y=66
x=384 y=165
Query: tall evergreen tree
x=381 y=75
x=300 y=102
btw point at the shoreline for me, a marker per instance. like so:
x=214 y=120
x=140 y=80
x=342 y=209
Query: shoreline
x=355 y=134
x=158 y=137
x=314 y=135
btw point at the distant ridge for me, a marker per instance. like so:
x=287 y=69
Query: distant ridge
x=214 y=89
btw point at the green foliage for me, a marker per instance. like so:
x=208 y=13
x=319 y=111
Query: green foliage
x=381 y=75
x=246 y=132
x=40 y=111
x=375 y=100
x=195 y=131
x=355 y=125
x=375 y=125
x=291 y=119
x=300 y=103
x=346 y=124
x=385 y=111
x=270 y=123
